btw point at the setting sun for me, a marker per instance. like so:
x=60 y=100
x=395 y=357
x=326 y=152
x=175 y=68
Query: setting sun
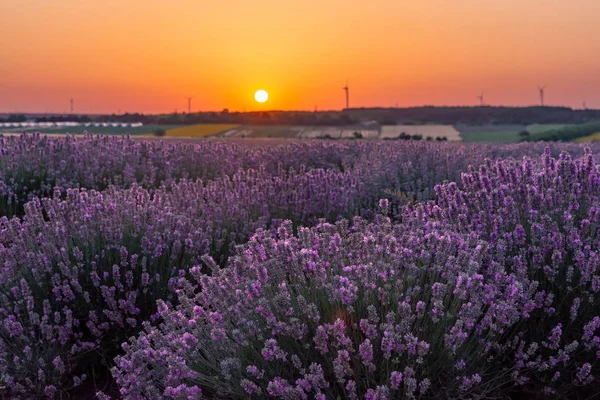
x=261 y=96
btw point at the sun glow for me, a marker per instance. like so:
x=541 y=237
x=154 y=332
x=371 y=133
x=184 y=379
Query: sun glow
x=261 y=96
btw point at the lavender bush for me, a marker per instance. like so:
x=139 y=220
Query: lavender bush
x=80 y=274
x=107 y=227
x=408 y=171
x=541 y=220
x=489 y=291
x=34 y=165
x=360 y=310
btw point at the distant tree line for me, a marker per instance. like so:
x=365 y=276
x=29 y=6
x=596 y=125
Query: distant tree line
x=477 y=115
x=15 y=118
x=383 y=116
x=47 y=118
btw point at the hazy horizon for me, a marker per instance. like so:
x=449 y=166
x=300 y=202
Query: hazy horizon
x=66 y=112
x=148 y=56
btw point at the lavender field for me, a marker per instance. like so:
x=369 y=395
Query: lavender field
x=134 y=269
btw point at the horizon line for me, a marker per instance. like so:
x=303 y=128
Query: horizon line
x=18 y=112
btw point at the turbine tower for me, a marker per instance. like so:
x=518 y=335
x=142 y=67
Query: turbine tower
x=541 y=89
x=189 y=99
x=347 y=89
x=71 y=106
x=480 y=97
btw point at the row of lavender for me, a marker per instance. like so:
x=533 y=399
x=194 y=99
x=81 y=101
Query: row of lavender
x=35 y=165
x=81 y=271
x=492 y=291
x=79 y=275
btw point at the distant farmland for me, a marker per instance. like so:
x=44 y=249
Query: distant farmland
x=302 y=132
x=501 y=133
x=591 y=138
x=343 y=132
x=200 y=130
x=460 y=132
x=540 y=128
x=432 y=131
x=491 y=133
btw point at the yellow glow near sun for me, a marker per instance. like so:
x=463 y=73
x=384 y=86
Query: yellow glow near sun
x=261 y=96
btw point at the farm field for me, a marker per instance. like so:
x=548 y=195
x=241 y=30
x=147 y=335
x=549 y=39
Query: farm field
x=433 y=131
x=302 y=132
x=491 y=133
x=482 y=134
x=340 y=132
x=267 y=131
x=591 y=138
x=229 y=267
x=501 y=133
x=199 y=130
x=540 y=128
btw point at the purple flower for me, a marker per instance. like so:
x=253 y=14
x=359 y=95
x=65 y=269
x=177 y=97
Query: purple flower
x=396 y=379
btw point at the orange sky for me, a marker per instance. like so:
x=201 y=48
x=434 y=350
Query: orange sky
x=147 y=56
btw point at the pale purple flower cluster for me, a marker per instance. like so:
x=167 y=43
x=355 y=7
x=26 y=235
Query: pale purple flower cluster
x=34 y=165
x=116 y=234
x=492 y=289
x=83 y=272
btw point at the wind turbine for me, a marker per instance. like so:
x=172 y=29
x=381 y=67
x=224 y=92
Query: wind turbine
x=541 y=89
x=480 y=97
x=189 y=99
x=347 y=89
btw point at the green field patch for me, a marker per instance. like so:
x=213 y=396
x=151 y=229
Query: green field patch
x=539 y=128
x=567 y=133
x=200 y=130
x=591 y=138
x=490 y=133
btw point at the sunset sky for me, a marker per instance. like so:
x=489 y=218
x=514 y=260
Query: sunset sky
x=147 y=56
